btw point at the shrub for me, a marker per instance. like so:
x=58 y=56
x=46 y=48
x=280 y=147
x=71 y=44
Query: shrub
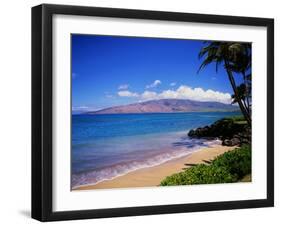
x=236 y=118
x=200 y=174
x=237 y=162
x=226 y=168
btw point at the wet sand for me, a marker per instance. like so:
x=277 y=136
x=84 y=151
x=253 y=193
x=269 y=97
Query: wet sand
x=152 y=176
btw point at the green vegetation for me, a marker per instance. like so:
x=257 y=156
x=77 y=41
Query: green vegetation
x=229 y=167
x=237 y=118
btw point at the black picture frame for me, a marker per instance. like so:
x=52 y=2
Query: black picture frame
x=42 y=111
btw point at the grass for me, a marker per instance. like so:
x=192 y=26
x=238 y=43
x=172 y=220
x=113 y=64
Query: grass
x=238 y=119
x=229 y=167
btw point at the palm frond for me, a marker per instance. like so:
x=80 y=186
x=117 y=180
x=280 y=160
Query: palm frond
x=206 y=62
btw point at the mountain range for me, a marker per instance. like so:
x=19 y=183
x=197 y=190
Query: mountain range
x=168 y=106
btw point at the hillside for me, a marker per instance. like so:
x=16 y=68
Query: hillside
x=167 y=106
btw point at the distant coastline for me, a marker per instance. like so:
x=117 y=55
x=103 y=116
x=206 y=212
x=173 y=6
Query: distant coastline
x=167 y=106
x=153 y=113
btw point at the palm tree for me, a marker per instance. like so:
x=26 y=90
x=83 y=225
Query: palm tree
x=228 y=54
x=242 y=60
x=241 y=89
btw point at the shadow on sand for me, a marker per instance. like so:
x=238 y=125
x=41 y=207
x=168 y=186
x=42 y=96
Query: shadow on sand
x=192 y=164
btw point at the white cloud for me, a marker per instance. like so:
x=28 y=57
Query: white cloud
x=123 y=86
x=80 y=108
x=173 y=83
x=182 y=92
x=83 y=108
x=127 y=93
x=154 y=84
x=198 y=94
x=148 y=95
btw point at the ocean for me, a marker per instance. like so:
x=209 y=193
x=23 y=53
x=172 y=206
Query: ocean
x=107 y=146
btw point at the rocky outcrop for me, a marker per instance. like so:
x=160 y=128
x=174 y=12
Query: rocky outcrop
x=230 y=131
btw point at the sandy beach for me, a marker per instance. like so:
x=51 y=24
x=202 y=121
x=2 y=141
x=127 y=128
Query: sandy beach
x=152 y=176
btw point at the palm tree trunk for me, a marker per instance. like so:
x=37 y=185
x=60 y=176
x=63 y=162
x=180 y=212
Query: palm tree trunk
x=234 y=87
x=247 y=92
x=244 y=103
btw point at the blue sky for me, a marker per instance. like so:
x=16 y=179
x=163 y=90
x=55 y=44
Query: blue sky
x=111 y=70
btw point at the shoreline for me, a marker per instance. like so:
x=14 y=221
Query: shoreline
x=152 y=176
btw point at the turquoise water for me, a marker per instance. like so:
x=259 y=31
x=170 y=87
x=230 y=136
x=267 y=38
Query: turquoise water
x=106 y=146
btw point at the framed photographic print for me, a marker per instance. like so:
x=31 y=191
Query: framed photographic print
x=144 y=112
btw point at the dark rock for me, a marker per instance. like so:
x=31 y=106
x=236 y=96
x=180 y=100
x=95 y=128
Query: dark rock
x=191 y=133
x=226 y=142
x=235 y=141
x=227 y=130
x=245 y=141
x=231 y=142
x=224 y=128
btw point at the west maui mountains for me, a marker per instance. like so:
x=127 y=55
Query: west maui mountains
x=168 y=106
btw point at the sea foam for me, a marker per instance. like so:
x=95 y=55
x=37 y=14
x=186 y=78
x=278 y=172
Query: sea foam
x=182 y=148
